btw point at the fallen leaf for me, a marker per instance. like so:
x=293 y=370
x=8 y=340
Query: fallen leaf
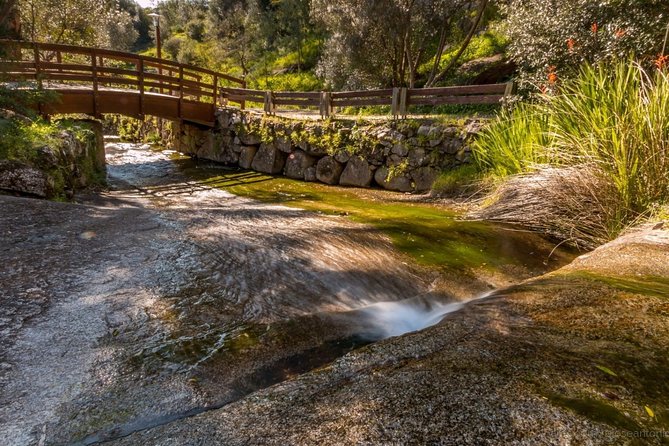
x=606 y=370
x=650 y=412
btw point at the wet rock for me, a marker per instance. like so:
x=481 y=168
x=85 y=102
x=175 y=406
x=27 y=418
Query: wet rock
x=452 y=146
x=342 y=156
x=314 y=150
x=114 y=148
x=395 y=160
x=400 y=149
x=24 y=179
x=269 y=160
x=398 y=183
x=297 y=164
x=47 y=157
x=424 y=130
x=417 y=158
x=310 y=174
x=246 y=156
x=463 y=156
x=284 y=144
x=249 y=139
x=328 y=170
x=424 y=178
x=357 y=173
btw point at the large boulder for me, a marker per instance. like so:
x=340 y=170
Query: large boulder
x=400 y=183
x=310 y=174
x=284 y=144
x=424 y=178
x=297 y=164
x=249 y=139
x=269 y=160
x=24 y=179
x=356 y=173
x=246 y=156
x=328 y=170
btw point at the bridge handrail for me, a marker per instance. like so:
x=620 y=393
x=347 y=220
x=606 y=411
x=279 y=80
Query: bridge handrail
x=120 y=55
x=399 y=99
x=45 y=62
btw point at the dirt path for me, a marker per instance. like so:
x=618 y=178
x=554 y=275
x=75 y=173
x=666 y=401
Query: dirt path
x=163 y=296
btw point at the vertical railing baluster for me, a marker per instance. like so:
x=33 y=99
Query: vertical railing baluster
x=181 y=90
x=94 y=66
x=140 y=80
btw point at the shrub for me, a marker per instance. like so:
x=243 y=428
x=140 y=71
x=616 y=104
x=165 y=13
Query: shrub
x=555 y=38
x=614 y=119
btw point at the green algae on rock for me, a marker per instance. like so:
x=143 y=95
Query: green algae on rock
x=430 y=235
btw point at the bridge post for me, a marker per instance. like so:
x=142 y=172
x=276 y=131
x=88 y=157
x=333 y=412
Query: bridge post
x=215 y=91
x=140 y=79
x=38 y=74
x=404 y=102
x=269 y=106
x=326 y=104
x=395 y=103
x=242 y=104
x=181 y=91
x=94 y=66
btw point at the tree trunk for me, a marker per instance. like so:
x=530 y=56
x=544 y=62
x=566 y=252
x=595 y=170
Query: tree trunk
x=464 y=46
x=10 y=27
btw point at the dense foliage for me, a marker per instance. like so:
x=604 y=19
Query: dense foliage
x=551 y=39
x=81 y=22
x=612 y=120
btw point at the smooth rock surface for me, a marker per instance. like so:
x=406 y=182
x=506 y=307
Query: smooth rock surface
x=399 y=183
x=357 y=173
x=24 y=179
x=297 y=164
x=328 y=170
x=269 y=160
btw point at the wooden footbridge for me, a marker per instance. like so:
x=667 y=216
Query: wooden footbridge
x=96 y=81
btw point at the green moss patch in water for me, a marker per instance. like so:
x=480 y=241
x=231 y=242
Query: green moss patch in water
x=430 y=234
x=644 y=285
x=595 y=410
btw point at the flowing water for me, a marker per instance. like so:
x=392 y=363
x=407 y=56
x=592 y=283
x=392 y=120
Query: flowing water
x=179 y=297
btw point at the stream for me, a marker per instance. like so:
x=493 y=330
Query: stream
x=165 y=297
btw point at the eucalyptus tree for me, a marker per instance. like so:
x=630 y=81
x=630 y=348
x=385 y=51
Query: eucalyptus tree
x=374 y=43
x=79 y=22
x=551 y=39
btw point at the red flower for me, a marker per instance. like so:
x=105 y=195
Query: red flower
x=594 y=28
x=571 y=44
x=620 y=33
x=552 y=77
x=662 y=61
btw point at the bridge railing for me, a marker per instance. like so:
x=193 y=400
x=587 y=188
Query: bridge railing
x=57 y=66
x=398 y=99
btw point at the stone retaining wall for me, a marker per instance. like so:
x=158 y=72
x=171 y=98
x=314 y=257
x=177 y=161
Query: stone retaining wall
x=73 y=160
x=404 y=156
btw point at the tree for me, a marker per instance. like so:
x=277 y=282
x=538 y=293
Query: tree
x=241 y=28
x=10 y=20
x=78 y=22
x=550 y=38
x=374 y=44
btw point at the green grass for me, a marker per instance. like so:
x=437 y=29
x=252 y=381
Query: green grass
x=486 y=44
x=21 y=141
x=304 y=81
x=612 y=119
x=431 y=235
x=463 y=180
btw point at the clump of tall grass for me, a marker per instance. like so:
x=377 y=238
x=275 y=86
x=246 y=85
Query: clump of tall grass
x=611 y=121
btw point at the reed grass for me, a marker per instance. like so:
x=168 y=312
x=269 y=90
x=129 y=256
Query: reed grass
x=611 y=122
